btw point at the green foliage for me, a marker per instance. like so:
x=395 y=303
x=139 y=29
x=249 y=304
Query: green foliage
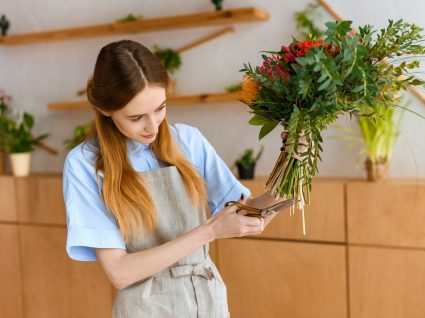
x=248 y=159
x=233 y=88
x=80 y=134
x=19 y=137
x=306 y=89
x=5 y=122
x=169 y=58
x=305 y=22
x=129 y=17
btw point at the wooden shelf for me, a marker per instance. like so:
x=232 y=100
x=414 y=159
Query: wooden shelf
x=212 y=18
x=175 y=100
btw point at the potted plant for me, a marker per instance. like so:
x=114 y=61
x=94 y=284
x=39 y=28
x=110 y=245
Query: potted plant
x=378 y=137
x=4 y=124
x=80 y=134
x=20 y=143
x=246 y=163
x=172 y=61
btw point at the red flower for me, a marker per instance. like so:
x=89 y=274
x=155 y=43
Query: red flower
x=272 y=68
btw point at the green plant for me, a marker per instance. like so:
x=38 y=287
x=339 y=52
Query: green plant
x=80 y=134
x=5 y=122
x=169 y=58
x=305 y=86
x=305 y=22
x=233 y=88
x=248 y=159
x=129 y=17
x=19 y=137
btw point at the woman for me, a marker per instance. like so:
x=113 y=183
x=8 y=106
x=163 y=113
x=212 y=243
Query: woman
x=137 y=191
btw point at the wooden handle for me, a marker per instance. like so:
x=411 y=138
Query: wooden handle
x=47 y=148
x=206 y=39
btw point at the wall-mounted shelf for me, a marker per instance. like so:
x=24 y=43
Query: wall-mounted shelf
x=174 y=100
x=212 y=18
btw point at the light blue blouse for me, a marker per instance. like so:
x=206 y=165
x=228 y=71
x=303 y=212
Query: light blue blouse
x=89 y=223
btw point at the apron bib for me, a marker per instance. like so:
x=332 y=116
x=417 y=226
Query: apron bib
x=192 y=287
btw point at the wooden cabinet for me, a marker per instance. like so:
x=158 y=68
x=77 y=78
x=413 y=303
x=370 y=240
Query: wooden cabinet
x=386 y=282
x=362 y=257
x=38 y=278
x=388 y=214
x=69 y=288
x=283 y=279
x=325 y=217
x=8 y=208
x=41 y=200
x=10 y=272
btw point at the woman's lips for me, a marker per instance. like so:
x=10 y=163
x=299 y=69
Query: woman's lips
x=149 y=136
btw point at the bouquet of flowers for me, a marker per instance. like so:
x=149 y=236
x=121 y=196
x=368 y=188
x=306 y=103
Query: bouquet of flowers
x=305 y=86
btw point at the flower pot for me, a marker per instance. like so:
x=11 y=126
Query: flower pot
x=20 y=163
x=377 y=171
x=246 y=173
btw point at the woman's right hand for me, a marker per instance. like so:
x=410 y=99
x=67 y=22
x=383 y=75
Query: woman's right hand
x=228 y=223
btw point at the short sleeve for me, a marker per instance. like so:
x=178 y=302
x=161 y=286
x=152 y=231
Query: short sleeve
x=222 y=185
x=89 y=223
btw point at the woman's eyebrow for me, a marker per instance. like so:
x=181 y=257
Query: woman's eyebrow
x=138 y=115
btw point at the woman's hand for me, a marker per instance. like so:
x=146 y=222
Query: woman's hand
x=230 y=223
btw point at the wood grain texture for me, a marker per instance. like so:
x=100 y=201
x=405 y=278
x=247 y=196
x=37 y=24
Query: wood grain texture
x=211 y=18
x=41 y=200
x=280 y=279
x=220 y=97
x=8 y=206
x=388 y=213
x=54 y=285
x=325 y=217
x=10 y=273
x=386 y=283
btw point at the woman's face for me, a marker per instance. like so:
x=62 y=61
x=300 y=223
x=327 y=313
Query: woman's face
x=140 y=118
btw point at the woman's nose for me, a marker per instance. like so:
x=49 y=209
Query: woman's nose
x=150 y=126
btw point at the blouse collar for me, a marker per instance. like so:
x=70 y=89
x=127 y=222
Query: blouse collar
x=136 y=146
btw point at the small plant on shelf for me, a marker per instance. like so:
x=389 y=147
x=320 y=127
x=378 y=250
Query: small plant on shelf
x=80 y=134
x=246 y=163
x=129 y=17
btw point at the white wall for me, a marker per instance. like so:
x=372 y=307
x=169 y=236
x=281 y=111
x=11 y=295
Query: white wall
x=36 y=75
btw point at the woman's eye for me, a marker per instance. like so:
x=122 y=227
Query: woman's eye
x=136 y=119
x=159 y=109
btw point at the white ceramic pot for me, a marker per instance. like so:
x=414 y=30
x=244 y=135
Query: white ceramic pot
x=20 y=163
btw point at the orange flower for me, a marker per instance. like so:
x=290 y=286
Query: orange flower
x=249 y=90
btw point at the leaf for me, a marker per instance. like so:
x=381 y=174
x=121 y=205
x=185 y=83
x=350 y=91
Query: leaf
x=325 y=84
x=257 y=120
x=267 y=128
x=28 y=120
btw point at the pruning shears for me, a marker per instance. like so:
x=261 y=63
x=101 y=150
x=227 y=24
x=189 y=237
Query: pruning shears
x=264 y=212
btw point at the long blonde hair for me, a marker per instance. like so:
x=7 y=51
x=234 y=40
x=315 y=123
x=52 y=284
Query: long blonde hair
x=122 y=70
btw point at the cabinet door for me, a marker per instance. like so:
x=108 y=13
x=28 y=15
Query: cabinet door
x=56 y=286
x=386 y=283
x=41 y=200
x=390 y=213
x=280 y=279
x=8 y=208
x=324 y=217
x=10 y=275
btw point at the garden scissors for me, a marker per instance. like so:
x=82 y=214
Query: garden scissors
x=262 y=213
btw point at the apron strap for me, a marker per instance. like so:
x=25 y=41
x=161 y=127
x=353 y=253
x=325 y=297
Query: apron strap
x=197 y=270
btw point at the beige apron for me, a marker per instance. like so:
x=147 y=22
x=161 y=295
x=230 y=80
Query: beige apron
x=192 y=287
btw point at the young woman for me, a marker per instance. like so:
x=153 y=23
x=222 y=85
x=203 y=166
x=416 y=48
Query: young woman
x=137 y=192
